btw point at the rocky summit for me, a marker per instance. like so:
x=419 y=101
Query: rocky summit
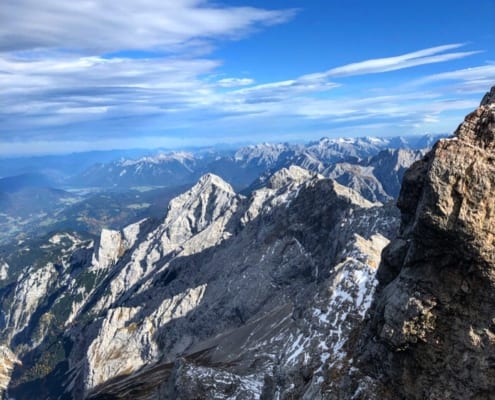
x=430 y=333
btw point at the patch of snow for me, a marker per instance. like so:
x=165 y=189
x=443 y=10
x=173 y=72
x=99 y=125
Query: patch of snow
x=297 y=348
x=4 y=271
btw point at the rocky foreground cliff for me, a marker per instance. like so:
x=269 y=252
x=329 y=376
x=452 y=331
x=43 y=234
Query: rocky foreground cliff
x=430 y=333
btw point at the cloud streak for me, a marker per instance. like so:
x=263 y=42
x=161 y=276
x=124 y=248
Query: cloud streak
x=324 y=81
x=77 y=90
x=50 y=94
x=430 y=55
x=235 y=82
x=467 y=80
x=107 y=26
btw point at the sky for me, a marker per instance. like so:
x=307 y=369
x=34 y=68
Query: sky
x=101 y=74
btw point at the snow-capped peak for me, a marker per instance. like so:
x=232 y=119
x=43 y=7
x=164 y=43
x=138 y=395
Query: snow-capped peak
x=179 y=156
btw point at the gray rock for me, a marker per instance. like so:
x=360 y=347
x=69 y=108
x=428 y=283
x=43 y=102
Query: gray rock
x=431 y=332
x=280 y=297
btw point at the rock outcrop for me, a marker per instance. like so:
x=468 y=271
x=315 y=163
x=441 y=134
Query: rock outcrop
x=378 y=178
x=431 y=330
x=7 y=362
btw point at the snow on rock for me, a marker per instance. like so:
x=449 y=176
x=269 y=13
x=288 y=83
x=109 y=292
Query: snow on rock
x=179 y=156
x=4 y=271
x=261 y=154
x=215 y=383
x=336 y=311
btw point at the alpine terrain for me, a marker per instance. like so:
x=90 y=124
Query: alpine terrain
x=279 y=292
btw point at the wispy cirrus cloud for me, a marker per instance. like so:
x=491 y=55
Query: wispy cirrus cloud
x=49 y=93
x=64 y=89
x=109 y=26
x=235 y=82
x=323 y=81
x=466 y=80
x=281 y=90
x=430 y=55
x=64 y=93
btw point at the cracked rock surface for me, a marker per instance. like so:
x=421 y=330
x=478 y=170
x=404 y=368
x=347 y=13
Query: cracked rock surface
x=431 y=329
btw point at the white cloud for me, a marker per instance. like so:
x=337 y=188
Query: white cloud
x=63 y=89
x=466 y=74
x=421 y=57
x=467 y=80
x=49 y=94
x=106 y=26
x=281 y=90
x=235 y=82
x=320 y=81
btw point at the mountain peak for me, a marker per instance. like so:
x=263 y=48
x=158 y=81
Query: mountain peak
x=478 y=128
x=210 y=201
x=178 y=156
x=214 y=180
x=288 y=175
x=489 y=98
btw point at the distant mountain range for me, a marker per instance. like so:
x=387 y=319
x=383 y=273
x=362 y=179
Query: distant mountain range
x=242 y=167
x=60 y=167
x=116 y=193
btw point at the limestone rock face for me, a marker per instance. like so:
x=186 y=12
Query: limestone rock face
x=109 y=249
x=378 y=178
x=431 y=333
x=7 y=362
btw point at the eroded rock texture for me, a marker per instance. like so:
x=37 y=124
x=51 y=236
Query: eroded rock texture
x=431 y=333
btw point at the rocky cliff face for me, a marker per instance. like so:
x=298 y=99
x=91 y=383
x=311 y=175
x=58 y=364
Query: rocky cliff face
x=7 y=362
x=377 y=178
x=220 y=320
x=431 y=330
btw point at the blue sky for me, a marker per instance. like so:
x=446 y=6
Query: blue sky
x=87 y=75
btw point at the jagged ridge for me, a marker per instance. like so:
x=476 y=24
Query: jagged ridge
x=171 y=300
